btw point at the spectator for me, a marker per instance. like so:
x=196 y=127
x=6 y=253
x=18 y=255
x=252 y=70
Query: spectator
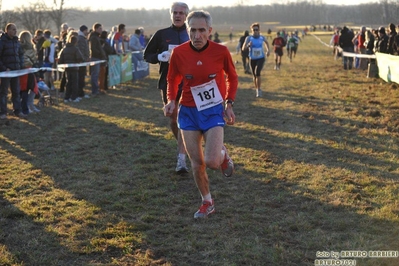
x=361 y=48
x=134 y=42
x=135 y=47
x=355 y=42
x=70 y=54
x=111 y=36
x=11 y=58
x=391 y=39
x=38 y=40
x=83 y=46
x=345 y=42
x=369 y=42
x=96 y=53
x=61 y=44
x=28 y=83
x=382 y=44
x=108 y=51
x=48 y=47
x=142 y=38
x=334 y=42
x=118 y=39
x=64 y=28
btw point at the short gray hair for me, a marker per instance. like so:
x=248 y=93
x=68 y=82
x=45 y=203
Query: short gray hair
x=181 y=4
x=200 y=14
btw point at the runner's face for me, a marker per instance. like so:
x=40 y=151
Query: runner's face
x=255 y=31
x=199 y=32
x=178 y=16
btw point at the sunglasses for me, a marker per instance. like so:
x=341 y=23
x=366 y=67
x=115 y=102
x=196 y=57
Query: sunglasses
x=255 y=29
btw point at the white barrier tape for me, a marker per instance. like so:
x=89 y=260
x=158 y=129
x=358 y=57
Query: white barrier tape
x=21 y=72
x=322 y=41
x=61 y=67
x=91 y=63
x=347 y=54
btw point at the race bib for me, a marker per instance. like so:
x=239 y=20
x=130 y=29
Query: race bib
x=206 y=95
x=257 y=52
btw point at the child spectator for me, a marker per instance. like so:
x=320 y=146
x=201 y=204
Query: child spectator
x=28 y=82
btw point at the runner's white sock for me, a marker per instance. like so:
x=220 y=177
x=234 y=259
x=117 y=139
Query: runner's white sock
x=207 y=197
x=182 y=157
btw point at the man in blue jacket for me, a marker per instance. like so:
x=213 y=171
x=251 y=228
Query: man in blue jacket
x=11 y=58
x=158 y=52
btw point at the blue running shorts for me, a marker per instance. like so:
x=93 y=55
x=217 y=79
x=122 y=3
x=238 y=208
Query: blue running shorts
x=189 y=118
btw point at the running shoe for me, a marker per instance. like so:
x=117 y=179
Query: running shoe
x=258 y=93
x=227 y=166
x=181 y=166
x=206 y=208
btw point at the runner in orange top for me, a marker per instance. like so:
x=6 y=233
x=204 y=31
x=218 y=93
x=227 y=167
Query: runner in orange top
x=209 y=89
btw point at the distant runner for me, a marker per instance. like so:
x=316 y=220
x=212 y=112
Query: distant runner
x=278 y=45
x=257 y=55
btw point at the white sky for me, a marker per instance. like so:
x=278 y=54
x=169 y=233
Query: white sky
x=133 y=4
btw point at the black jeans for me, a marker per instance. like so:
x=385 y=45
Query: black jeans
x=72 y=83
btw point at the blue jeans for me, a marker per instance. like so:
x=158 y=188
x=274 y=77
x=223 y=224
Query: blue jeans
x=15 y=97
x=95 y=73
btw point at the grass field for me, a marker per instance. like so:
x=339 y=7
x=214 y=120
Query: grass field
x=93 y=183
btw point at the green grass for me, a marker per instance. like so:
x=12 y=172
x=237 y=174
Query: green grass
x=316 y=161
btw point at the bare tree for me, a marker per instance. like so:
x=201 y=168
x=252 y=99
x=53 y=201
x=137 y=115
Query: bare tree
x=57 y=12
x=33 y=17
x=6 y=17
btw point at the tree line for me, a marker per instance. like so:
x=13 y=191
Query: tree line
x=314 y=12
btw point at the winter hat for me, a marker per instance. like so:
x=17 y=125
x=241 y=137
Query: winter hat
x=83 y=28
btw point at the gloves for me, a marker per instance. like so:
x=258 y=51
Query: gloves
x=164 y=57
